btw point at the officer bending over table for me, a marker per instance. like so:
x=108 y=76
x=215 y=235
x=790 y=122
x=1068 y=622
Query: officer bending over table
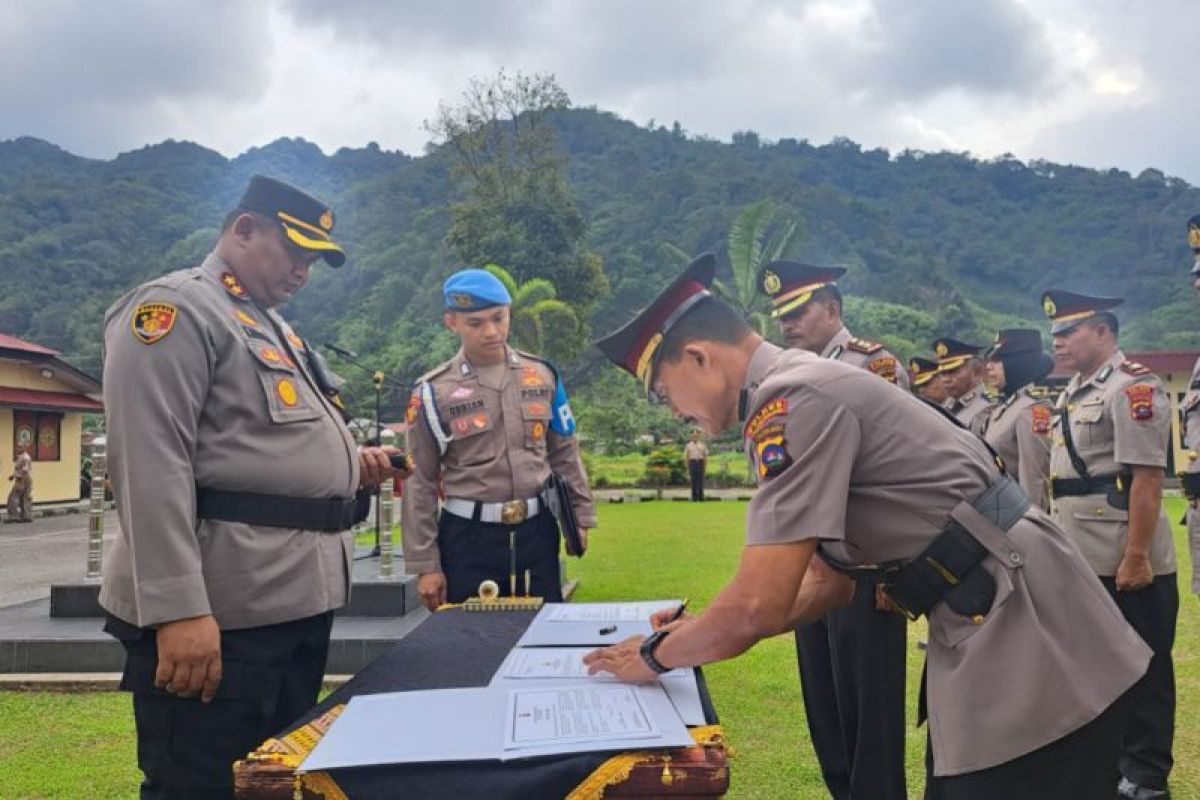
x=236 y=482
x=490 y=424
x=873 y=481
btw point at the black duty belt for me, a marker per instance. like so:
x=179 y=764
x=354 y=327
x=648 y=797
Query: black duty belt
x=1095 y=484
x=328 y=515
x=950 y=567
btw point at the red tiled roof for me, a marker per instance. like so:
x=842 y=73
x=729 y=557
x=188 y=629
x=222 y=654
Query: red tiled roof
x=13 y=343
x=55 y=401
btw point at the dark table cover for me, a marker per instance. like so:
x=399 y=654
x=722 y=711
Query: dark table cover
x=458 y=649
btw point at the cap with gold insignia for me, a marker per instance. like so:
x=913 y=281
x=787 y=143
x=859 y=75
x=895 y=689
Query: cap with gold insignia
x=1194 y=243
x=790 y=284
x=1015 y=342
x=921 y=370
x=952 y=353
x=306 y=221
x=635 y=346
x=474 y=290
x=1068 y=309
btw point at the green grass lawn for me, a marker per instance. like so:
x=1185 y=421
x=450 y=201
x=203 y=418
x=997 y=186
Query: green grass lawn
x=81 y=746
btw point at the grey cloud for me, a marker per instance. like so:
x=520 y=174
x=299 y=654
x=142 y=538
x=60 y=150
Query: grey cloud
x=91 y=76
x=986 y=46
x=427 y=24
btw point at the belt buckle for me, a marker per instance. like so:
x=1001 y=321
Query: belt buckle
x=513 y=512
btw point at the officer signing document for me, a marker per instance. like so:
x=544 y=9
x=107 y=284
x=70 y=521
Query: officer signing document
x=236 y=482
x=858 y=480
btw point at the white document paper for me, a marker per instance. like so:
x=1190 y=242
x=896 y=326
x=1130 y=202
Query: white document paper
x=575 y=714
x=580 y=634
x=606 y=612
x=468 y=725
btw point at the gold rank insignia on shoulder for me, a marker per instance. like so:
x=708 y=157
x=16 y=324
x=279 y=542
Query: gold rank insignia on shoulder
x=245 y=319
x=287 y=392
x=153 y=321
x=1134 y=368
x=864 y=346
x=231 y=284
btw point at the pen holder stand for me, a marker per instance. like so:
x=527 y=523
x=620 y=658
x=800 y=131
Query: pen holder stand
x=503 y=604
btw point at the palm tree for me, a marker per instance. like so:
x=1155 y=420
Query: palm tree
x=541 y=323
x=751 y=245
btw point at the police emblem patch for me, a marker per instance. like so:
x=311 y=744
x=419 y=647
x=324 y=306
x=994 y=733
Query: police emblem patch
x=1141 y=401
x=462 y=425
x=538 y=431
x=884 y=367
x=480 y=421
x=1041 y=420
x=772 y=455
x=287 y=392
x=461 y=299
x=775 y=408
x=326 y=220
x=153 y=321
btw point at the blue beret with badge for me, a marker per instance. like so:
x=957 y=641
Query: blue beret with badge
x=474 y=290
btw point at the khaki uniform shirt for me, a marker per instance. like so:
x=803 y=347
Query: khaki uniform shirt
x=876 y=476
x=501 y=447
x=1191 y=440
x=1019 y=431
x=223 y=400
x=22 y=466
x=871 y=356
x=695 y=451
x=971 y=410
x=1120 y=417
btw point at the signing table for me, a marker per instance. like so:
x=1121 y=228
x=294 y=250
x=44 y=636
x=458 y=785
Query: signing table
x=456 y=649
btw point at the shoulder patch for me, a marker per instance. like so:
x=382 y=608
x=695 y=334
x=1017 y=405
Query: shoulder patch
x=774 y=408
x=153 y=321
x=864 y=346
x=884 y=367
x=1141 y=401
x=414 y=408
x=1134 y=368
x=1041 y=420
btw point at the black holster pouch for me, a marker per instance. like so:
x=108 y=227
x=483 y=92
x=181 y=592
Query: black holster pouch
x=1191 y=484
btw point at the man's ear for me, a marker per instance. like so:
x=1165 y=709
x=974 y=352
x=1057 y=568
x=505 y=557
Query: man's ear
x=698 y=352
x=448 y=319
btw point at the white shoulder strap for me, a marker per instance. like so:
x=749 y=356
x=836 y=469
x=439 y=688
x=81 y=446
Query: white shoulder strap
x=433 y=420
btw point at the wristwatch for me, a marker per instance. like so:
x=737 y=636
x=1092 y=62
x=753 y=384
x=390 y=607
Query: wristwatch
x=647 y=651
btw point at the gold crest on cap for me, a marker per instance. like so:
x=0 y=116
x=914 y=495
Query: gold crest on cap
x=771 y=282
x=461 y=299
x=1049 y=307
x=326 y=220
x=942 y=350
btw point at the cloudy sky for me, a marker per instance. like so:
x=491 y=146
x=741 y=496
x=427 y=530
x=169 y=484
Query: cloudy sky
x=1095 y=82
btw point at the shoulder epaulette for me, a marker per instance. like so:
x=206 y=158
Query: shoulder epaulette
x=176 y=279
x=540 y=360
x=864 y=346
x=433 y=373
x=1134 y=368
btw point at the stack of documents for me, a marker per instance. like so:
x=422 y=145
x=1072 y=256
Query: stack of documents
x=540 y=702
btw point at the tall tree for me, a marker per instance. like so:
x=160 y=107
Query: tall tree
x=541 y=323
x=518 y=209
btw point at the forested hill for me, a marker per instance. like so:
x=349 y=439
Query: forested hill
x=935 y=243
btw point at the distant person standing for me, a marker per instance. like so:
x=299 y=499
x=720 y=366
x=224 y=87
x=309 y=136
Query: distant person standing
x=696 y=455
x=20 y=497
x=961 y=373
x=1018 y=429
x=1190 y=472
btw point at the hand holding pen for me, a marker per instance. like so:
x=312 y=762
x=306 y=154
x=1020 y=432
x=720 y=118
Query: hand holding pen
x=669 y=616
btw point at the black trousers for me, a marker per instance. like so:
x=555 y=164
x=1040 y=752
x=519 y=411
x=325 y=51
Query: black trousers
x=852 y=674
x=473 y=552
x=186 y=749
x=1082 y=764
x=696 y=476
x=1150 y=730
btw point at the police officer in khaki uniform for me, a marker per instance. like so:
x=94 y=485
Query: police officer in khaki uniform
x=961 y=373
x=1106 y=467
x=864 y=476
x=852 y=661
x=20 y=497
x=923 y=378
x=1018 y=428
x=236 y=480
x=490 y=425
x=1190 y=471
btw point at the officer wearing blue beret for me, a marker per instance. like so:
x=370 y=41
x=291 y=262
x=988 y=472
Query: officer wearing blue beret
x=489 y=426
